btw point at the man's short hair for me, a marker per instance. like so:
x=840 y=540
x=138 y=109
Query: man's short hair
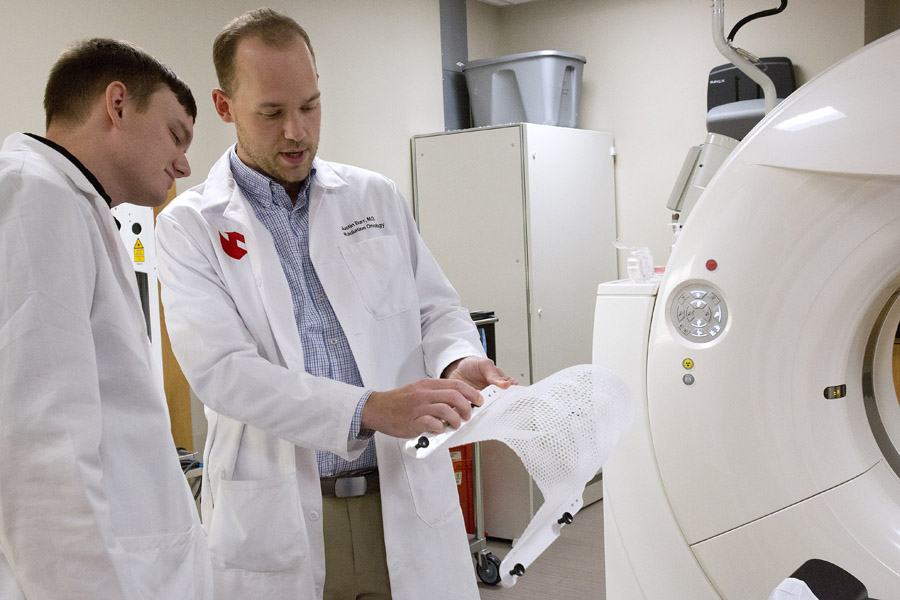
x=85 y=70
x=273 y=29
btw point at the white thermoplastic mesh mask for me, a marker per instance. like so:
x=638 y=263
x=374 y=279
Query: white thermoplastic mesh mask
x=563 y=428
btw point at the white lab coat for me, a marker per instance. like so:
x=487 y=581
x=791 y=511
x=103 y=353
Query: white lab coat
x=230 y=318
x=93 y=502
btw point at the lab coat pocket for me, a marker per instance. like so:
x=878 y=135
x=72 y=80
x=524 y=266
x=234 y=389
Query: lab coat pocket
x=163 y=566
x=257 y=525
x=432 y=486
x=382 y=274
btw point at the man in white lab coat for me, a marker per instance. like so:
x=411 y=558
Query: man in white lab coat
x=312 y=321
x=93 y=502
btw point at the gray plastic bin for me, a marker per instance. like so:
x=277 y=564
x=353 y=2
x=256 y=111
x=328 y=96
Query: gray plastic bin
x=534 y=87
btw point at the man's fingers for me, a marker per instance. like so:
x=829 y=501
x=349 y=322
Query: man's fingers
x=428 y=405
x=502 y=380
x=471 y=395
x=455 y=402
x=447 y=414
x=429 y=424
x=479 y=373
x=464 y=394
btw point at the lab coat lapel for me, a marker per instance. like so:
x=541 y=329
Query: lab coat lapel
x=118 y=253
x=334 y=203
x=324 y=252
x=266 y=274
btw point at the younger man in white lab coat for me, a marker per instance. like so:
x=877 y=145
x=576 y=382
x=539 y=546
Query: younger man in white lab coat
x=312 y=321
x=93 y=502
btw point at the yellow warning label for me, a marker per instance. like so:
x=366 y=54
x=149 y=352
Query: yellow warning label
x=687 y=364
x=138 y=251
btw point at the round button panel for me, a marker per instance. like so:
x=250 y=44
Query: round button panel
x=698 y=312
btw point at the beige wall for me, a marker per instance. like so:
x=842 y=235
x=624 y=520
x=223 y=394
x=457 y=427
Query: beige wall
x=379 y=63
x=646 y=72
x=882 y=17
x=645 y=79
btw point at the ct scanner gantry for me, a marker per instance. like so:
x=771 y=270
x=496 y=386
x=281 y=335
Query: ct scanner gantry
x=768 y=423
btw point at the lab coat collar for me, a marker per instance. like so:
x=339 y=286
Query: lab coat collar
x=84 y=170
x=18 y=142
x=221 y=185
x=326 y=176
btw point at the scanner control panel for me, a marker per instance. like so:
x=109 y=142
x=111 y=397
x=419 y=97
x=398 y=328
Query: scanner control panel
x=698 y=312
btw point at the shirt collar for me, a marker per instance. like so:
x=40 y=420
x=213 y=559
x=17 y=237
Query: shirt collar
x=84 y=170
x=263 y=190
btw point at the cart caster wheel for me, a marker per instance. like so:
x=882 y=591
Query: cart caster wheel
x=489 y=569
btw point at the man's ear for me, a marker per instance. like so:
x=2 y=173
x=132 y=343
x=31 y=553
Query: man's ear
x=223 y=105
x=116 y=96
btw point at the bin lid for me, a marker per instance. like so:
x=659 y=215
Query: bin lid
x=524 y=55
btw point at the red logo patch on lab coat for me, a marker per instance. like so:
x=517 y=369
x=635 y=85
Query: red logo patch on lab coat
x=231 y=245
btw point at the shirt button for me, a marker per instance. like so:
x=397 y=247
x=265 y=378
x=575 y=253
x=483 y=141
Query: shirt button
x=314 y=515
x=334 y=341
x=259 y=282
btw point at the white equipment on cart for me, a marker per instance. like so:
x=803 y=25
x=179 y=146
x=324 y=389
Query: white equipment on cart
x=136 y=227
x=562 y=428
x=768 y=424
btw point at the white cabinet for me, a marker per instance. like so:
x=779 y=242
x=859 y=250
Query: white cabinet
x=522 y=220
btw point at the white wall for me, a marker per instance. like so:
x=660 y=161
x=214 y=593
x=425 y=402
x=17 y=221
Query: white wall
x=379 y=64
x=646 y=73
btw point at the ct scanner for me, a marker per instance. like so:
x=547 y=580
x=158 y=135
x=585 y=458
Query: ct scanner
x=768 y=424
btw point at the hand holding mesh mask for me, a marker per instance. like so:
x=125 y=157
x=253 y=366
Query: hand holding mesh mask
x=563 y=429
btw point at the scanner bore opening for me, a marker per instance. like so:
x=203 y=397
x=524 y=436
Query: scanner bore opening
x=880 y=383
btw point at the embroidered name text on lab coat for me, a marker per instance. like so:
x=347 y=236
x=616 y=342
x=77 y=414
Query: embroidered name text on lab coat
x=361 y=225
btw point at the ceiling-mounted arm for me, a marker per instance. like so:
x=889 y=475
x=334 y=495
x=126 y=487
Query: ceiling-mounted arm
x=739 y=60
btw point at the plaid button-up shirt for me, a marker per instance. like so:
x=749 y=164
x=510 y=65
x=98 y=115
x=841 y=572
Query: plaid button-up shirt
x=326 y=352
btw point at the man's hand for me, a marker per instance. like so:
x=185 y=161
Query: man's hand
x=426 y=406
x=478 y=372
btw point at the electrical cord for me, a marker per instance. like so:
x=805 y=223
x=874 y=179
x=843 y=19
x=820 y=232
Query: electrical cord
x=758 y=15
x=189 y=461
